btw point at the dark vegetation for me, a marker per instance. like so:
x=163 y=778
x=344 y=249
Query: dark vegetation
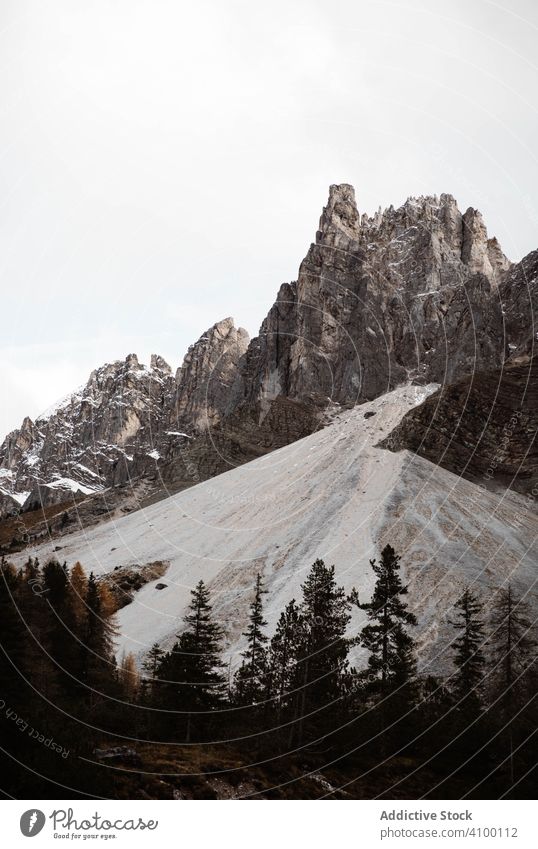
x=293 y=720
x=33 y=526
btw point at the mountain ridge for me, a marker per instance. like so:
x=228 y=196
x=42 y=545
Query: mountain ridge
x=412 y=294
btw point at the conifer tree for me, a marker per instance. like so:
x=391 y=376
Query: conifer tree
x=79 y=587
x=391 y=663
x=34 y=612
x=63 y=633
x=98 y=664
x=283 y=653
x=202 y=638
x=322 y=654
x=14 y=641
x=152 y=660
x=468 y=657
x=512 y=650
x=128 y=677
x=190 y=675
x=511 y=644
x=250 y=682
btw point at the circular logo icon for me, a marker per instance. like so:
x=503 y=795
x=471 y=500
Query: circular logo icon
x=32 y=822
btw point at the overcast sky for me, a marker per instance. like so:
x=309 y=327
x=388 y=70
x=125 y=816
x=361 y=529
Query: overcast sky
x=164 y=164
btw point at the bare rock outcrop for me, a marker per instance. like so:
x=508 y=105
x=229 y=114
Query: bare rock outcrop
x=204 y=380
x=379 y=300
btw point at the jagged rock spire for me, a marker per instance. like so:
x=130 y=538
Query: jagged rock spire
x=340 y=219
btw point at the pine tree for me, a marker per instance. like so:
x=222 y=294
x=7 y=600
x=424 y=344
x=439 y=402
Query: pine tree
x=283 y=652
x=56 y=581
x=205 y=637
x=98 y=664
x=190 y=678
x=152 y=660
x=321 y=660
x=14 y=640
x=128 y=677
x=34 y=612
x=511 y=645
x=250 y=680
x=79 y=587
x=468 y=657
x=63 y=633
x=512 y=650
x=391 y=663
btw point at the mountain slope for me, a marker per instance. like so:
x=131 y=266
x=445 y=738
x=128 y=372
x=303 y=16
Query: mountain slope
x=334 y=495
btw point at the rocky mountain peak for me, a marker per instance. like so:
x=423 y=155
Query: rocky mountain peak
x=159 y=363
x=131 y=362
x=480 y=254
x=379 y=300
x=204 y=380
x=340 y=219
x=27 y=425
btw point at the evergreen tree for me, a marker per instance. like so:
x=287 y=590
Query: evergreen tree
x=152 y=660
x=321 y=660
x=190 y=675
x=391 y=663
x=14 y=640
x=98 y=664
x=250 y=680
x=63 y=635
x=79 y=588
x=35 y=614
x=512 y=650
x=283 y=653
x=203 y=640
x=512 y=646
x=129 y=678
x=468 y=657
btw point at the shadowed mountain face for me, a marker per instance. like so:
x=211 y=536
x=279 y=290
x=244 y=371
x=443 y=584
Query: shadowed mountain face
x=416 y=294
x=482 y=427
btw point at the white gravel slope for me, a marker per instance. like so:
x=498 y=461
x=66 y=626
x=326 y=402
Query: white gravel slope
x=331 y=495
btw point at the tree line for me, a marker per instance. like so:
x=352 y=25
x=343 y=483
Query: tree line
x=295 y=698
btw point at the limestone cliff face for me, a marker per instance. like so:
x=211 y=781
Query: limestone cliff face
x=518 y=296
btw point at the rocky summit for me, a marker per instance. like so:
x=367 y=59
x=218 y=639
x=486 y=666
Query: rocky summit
x=417 y=294
x=379 y=301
